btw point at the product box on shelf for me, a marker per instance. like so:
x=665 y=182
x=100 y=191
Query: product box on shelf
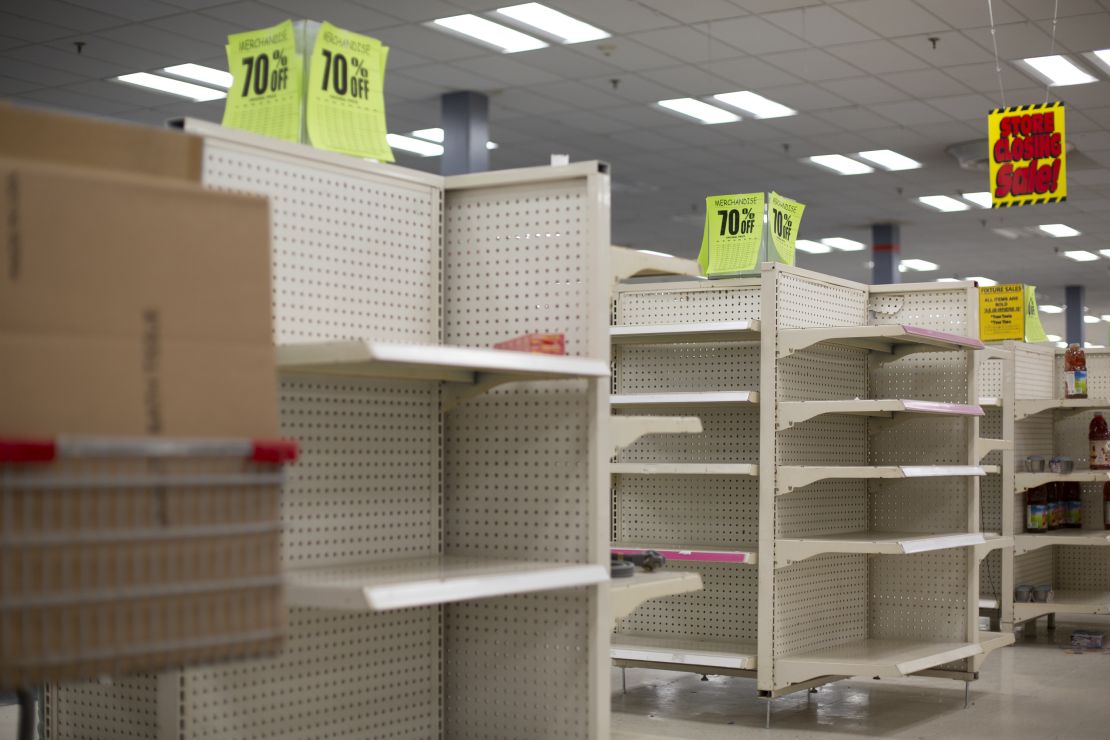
x=132 y=306
x=27 y=133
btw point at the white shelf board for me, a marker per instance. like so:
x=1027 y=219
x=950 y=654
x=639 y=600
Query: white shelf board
x=990 y=402
x=1025 y=481
x=693 y=553
x=399 y=584
x=989 y=603
x=795 y=412
x=692 y=399
x=893 y=339
x=1030 y=541
x=881 y=658
x=629 y=263
x=797 y=476
x=1024 y=407
x=794 y=549
x=712 y=331
x=991 y=641
x=1065 y=602
x=627 y=429
x=684 y=651
x=625 y=594
x=683 y=469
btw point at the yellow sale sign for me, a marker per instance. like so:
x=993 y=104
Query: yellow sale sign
x=1028 y=155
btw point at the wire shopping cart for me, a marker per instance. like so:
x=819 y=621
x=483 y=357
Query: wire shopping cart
x=120 y=555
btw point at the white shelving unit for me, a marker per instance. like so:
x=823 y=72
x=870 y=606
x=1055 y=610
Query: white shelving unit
x=628 y=593
x=444 y=533
x=686 y=399
x=868 y=417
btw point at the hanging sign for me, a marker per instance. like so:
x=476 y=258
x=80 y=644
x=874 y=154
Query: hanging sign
x=1028 y=155
x=265 y=94
x=1010 y=312
x=784 y=219
x=345 y=108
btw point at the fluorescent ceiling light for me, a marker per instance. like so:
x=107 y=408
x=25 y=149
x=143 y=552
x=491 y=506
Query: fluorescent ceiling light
x=983 y=199
x=943 y=203
x=1058 y=230
x=1058 y=71
x=1010 y=233
x=811 y=247
x=552 y=22
x=844 y=245
x=484 y=31
x=919 y=265
x=1081 y=255
x=1062 y=345
x=1105 y=317
x=200 y=73
x=436 y=135
x=1053 y=337
x=698 y=110
x=657 y=254
x=1101 y=57
x=199 y=93
x=840 y=164
x=415 y=146
x=1088 y=319
x=983 y=280
x=890 y=160
x=1088 y=345
x=1049 y=308
x=757 y=105
x=949 y=280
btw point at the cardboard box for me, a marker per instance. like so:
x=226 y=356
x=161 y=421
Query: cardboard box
x=28 y=133
x=132 y=305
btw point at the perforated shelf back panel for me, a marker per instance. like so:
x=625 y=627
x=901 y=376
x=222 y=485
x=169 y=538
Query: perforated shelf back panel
x=919 y=597
x=355 y=253
x=126 y=709
x=721 y=511
x=682 y=368
x=1081 y=569
x=685 y=303
x=943 y=309
x=725 y=609
x=727 y=436
x=1034 y=373
x=820 y=602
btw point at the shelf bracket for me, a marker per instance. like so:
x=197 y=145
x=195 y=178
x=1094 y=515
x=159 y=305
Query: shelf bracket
x=456 y=394
x=627 y=429
x=985 y=446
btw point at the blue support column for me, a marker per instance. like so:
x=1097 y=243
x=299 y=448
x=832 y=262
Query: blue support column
x=886 y=253
x=465 y=133
x=1074 y=296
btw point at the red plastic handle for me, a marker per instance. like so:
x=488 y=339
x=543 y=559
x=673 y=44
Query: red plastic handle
x=27 y=450
x=273 y=451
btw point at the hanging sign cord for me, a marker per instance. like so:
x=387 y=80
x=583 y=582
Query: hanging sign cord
x=1052 y=50
x=994 y=42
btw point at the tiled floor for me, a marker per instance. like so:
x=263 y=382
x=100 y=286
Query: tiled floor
x=1035 y=690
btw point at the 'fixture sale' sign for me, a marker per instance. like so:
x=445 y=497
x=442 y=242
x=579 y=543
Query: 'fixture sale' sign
x=1028 y=155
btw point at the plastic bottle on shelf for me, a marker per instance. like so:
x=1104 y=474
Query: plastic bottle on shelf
x=1106 y=505
x=1073 y=505
x=1075 y=372
x=1036 y=505
x=1054 y=517
x=1098 y=434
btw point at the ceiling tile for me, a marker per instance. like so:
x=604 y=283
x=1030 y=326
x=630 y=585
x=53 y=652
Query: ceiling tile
x=878 y=55
x=1080 y=97
x=966 y=14
x=972 y=107
x=565 y=62
x=505 y=70
x=984 y=78
x=910 y=112
x=67 y=60
x=592 y=122
x=200 y=27
x=31 y=31
x=753 y=35
x=398 y=85
x=1089 y=141
x=129 y=96
x=855 y=118
x=822 y=26
x=1040 y=10
x=193 y=4
x=413 y=11
x=805 y=97
x=130 y=57
x=616 y=16
x=864 y=90
x=695 y=11
x=170 y=47
x=749 y=73
x=341 y=13
x=12 y=86
x=576 y=95
x=132 y=10
x=891 y=18
x=249 y=14
x=947 y=132
x=926 y=83
x=526 y=101
x=36 y=73
x=650 y=140
x=450 y=77
x=951 y=49
x=70 y=100
x=1082 y=33
x=686 y=43
x=631 y=88
x=625 y=54
x=641 y=117
x=767 y=6
x=435 y=45
x=62 y=14
x=812 y=64
x=1015 y=40
x=688 y=80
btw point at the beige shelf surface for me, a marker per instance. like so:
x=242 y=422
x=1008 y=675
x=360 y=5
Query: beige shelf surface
x=683 y=469
x=882 y=658
x=792 y=550
x=1065 y=602
x=712 y=331
x=625 y=594
x=684 y=651
x=691 y=399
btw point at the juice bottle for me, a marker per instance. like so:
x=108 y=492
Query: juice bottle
x=1075 y=372
x=1073 y=505
x=1053 y=512
x=1098 y=435
x=1106 y=505
x=1036 y=503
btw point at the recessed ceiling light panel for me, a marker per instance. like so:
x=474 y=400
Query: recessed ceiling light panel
x=1081 y=255
x=983 y=280
x=755 y=104
x=414 y=146
x=1058 y=230
x=981 y=199
x=553 y=23
x=1058 y=71
x=919 y=265
x=485 y=31
x=840 y=164
x=943 y=203
x=811 y=247
x=889 y=159
x=844 y=245
x=1049 y=308
x=198 y=93
x=698 y=110
x=200 y=73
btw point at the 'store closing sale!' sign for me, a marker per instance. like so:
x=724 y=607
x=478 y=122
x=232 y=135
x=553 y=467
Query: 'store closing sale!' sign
x=1028 y=155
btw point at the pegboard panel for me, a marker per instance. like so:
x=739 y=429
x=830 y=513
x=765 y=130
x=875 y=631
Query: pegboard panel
x=1034 y=568
x=730 y=436
x=990 y=576
x=819 y=603
x=802 y=301
x=725 y=609
x=919 y=597
x=1035 y=435
x=356 y=255
x=946 y=310
x=366 y=485
x=342 y=675
x=990 y=377
x=1093 y=511
x=990 y=427
x=919 y=439
x=990 y=503
x=1098 y=372
x=675 y=368
x=518 y=260
x=1034 y=373
x=664 y=304
x=1082 y=569
x=823 y=373
x=516 y=667
x=1071 y=434
x=825 y=440
x=125 y=709
x=920 y=505
x=721 y=511
x=826 y=507
x=925 y=376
